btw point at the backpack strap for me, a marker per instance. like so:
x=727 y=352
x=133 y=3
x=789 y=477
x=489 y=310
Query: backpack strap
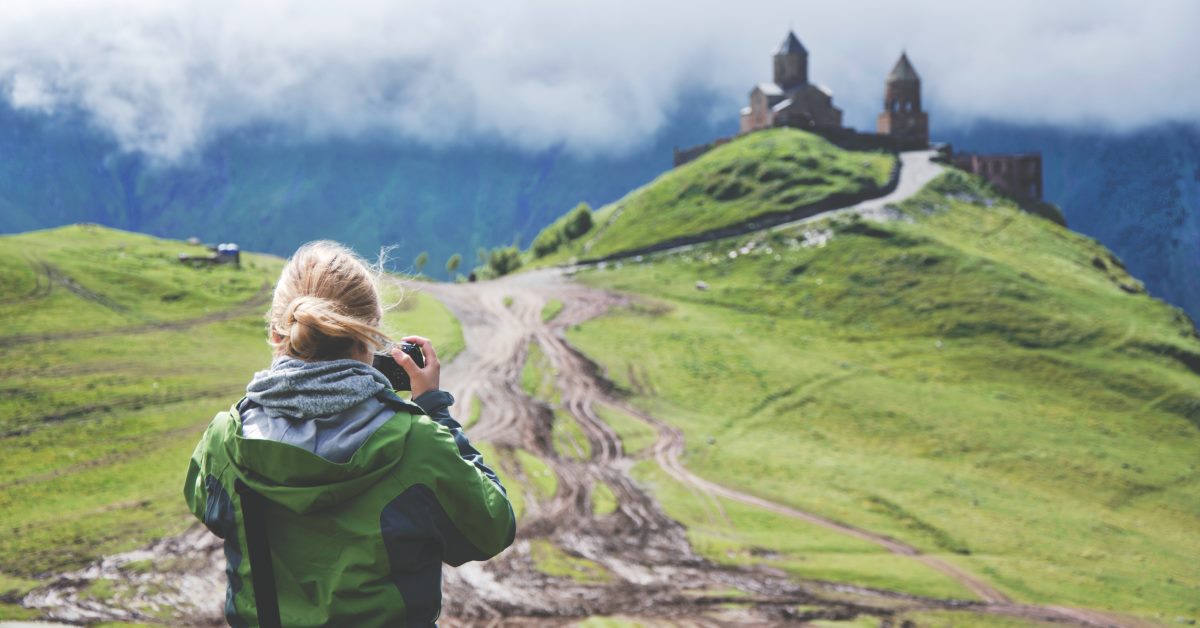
x=262 y=572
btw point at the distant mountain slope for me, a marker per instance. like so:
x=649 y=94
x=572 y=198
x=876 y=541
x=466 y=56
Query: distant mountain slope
x=1138 y=193
x=270 y=192
x=967 y=378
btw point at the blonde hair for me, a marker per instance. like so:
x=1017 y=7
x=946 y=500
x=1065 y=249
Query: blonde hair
x=326 y=305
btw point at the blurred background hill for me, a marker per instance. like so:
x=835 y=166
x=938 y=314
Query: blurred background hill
x=1137 y=192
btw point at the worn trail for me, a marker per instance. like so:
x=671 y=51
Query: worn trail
x=500 y=319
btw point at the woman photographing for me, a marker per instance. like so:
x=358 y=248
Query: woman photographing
x=338 y=501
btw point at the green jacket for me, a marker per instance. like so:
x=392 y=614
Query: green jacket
x=358 y=543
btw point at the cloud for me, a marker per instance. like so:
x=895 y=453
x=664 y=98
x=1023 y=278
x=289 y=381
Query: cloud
x=600 y=77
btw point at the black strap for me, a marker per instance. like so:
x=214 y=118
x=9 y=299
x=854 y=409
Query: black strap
x=261 y=570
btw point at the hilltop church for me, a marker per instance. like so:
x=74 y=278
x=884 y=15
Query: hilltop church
x=792 y=100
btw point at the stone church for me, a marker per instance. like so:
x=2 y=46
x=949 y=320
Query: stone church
x=791 y=100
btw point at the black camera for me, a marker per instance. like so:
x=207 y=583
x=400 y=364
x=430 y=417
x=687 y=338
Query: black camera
x=386 y=364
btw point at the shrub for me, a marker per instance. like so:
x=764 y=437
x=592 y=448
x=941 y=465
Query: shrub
x=569 y=227
x=504 y=260
x=579 y=221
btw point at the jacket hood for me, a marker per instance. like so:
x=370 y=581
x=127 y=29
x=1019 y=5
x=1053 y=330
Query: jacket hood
x=297 y=389
x=303 y=481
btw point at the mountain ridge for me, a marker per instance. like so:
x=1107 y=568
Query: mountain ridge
x=1138 y=192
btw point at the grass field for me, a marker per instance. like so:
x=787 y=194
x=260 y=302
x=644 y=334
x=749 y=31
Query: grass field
x=761 y=173
x=113 y=359
x=970 y=379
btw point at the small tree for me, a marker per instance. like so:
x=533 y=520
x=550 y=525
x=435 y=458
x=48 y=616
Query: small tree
x=504 y=260
x=453 y=263
x=579 y=221
x=546 y=242
x=421 y=261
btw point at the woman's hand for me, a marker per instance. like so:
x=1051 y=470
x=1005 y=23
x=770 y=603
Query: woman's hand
x=423 y=379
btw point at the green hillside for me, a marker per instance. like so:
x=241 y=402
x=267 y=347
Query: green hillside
x=970 y=379
x=113 y=358
x=767 y=172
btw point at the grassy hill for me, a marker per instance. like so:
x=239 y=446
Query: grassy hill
x=969 y=378
x=113 y=358
x=767 y=172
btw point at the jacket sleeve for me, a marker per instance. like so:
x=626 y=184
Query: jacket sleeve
x=205 y=496
x=436 y=404
x=480 y=517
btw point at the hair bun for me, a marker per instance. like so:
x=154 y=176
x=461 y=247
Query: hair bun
x=326 y=305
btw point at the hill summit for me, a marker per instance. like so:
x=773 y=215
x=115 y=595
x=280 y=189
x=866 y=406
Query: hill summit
x=955 y=373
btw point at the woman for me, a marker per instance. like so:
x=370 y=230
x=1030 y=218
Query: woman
x=338 y=501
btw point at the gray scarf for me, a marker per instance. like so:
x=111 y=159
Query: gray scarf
x=304 y=390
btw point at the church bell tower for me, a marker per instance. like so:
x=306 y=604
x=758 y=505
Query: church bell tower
x=791 y=63
x=902 y=117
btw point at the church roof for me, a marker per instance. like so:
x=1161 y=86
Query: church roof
x=791 y=45
x=769 y=89
x=903 y=70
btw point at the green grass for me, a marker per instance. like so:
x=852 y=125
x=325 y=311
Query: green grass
x=608 y=622
x=538 y=375
x=603 y=500
x=733 y=533
x=553 y=561
x=861 y=621
x=100 y=412
x=541 y=477
x=552 y=308
x=636 y=436
x=951 y=619
x=476 y=411
x=761 y=173
x=568 y=438
x=419 y=314
x=973 y=380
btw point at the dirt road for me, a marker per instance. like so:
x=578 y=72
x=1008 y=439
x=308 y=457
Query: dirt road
x=656 y=572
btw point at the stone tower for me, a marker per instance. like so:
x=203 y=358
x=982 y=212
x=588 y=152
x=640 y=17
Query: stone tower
x=791 y=63
x=902 y=117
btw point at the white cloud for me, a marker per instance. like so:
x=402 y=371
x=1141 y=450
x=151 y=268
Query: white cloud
x=596 y=77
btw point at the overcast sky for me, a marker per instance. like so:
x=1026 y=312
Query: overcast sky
x=163 y=77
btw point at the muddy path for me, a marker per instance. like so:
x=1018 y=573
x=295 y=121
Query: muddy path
x=650 y=571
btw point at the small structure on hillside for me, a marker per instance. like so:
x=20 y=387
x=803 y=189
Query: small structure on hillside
x=791 y=100
x=1018 y=176
x=224 y=253
x=902 y=116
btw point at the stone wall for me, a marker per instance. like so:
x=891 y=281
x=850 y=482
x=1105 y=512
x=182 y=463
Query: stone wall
x=1018 y=176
